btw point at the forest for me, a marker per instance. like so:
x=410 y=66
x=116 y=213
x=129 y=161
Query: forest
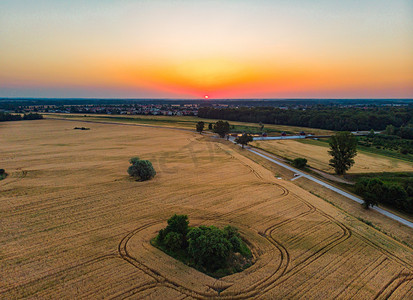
x=17 y=117
x=323 y=117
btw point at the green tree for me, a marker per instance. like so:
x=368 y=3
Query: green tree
x=395 y=194
x=173 y=241
x=371 y=190
x=343 y=147
x=299 y=163
x=200 y=127
x=261 y=126
x=141 y=169
x=222 y=128
x=178 y=223
x=244 y=139
x=232 y=235
x=390 y=130
x=208 y=247
x=210 y=126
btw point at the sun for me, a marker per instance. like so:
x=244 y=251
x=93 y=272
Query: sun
x=206 y=96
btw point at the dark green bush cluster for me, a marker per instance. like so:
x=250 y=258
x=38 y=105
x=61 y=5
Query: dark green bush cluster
x=173 y=237
x=82 y=128
x=387 y=142
x=375 y=191
x=206 y=247
x=3 y=174
x=300 y=163
x=141 y=169
x=17 y=117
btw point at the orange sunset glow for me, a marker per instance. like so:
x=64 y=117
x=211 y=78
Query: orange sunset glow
x=192 y=49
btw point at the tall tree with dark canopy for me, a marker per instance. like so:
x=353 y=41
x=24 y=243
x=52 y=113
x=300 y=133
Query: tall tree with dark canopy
x=343 y=147
x=222 y=128
x=244 y=139
x=200 y=127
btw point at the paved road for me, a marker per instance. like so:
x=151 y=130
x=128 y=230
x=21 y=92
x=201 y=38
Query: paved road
x=338 y=191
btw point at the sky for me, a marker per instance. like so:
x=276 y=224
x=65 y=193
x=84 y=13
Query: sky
x=193 y=48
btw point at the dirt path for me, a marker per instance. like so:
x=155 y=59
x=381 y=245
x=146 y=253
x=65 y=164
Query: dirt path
x=331 y=177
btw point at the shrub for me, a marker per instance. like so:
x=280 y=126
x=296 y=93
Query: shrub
x=2 y=171
x=141 y=169
x=299 y=163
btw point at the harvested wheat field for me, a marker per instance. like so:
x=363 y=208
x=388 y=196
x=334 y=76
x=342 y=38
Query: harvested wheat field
x=74 y=225
x=318 y=157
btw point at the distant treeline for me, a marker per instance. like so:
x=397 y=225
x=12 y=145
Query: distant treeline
x=10 y=117
x=331 y=118
x=15 y=103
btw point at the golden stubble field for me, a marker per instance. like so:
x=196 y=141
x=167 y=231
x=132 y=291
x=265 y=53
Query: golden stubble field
x=73 y=225
x=318 y=157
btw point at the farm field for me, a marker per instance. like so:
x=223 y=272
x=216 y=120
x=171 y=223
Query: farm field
x=74 y=225
x=187 y=122
x=318 y=157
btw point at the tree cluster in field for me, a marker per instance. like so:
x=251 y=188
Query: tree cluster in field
x=207 y=248
x=17 y=117
x=376 y=191
x=141 y=169
x=324 y=117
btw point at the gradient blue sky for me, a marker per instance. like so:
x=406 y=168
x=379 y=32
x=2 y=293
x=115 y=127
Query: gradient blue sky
x=224 y=49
